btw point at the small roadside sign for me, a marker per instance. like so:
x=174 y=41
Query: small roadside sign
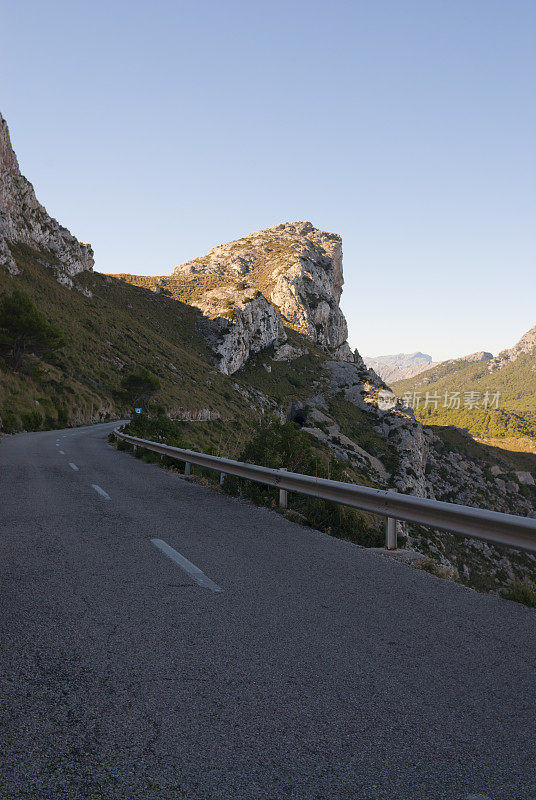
x=137 y=410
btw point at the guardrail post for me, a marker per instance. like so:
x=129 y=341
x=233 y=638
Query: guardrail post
x=222 y=478
x=390 y=534
x=509 y=530
x=283 y=494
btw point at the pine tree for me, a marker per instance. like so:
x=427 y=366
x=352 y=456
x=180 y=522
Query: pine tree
x=24 y=330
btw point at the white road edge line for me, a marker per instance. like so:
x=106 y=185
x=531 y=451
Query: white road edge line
x=193 y=571
x=73 y=466
x=100 y=491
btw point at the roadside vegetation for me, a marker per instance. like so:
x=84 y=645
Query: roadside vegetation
x=138 y=388
x=285 y=446
x=520 y=591
x=275 y=445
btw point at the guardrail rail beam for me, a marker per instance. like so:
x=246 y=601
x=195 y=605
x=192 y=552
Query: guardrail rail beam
x=496 y=527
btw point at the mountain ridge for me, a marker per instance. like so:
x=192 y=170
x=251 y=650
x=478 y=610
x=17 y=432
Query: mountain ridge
x=238 y=364
x=398 y=366
x=509 y=377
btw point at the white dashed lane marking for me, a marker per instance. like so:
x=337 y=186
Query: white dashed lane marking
x=100 y=491
x=73 y=466
x=193 y=571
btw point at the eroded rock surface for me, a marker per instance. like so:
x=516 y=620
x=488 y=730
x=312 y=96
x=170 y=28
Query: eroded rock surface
x=24 y=220
x=295 y=266
x=256 y=327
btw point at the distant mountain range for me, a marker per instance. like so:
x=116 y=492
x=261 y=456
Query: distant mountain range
x=400 y=366
x=491 y=397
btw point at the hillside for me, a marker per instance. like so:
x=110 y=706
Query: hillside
x=492 y=398
x=294 y=267
x=262 y=337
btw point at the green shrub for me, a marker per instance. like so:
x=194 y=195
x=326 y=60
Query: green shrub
x=286 y=446
x=24 y=330
x=10 y=422
x=520 y=591
x=156 y=429
x=138 y=388
x=32 y=420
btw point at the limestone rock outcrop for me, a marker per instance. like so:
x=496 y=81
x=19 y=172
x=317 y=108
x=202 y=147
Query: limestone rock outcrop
x=256 y=327
x=297 y=268
x=24 y=220
x=480 y=355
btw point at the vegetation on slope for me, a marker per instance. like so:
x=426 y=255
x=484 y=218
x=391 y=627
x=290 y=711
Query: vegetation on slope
x=112 y=329
x=117 y=330
x=520 y=591
x=276 y=445
x=515 y=383
x=269 y=254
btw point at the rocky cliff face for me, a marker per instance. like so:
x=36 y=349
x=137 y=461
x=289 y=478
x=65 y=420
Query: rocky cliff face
x=24 y=220
x=256 y=327
x=294 y=266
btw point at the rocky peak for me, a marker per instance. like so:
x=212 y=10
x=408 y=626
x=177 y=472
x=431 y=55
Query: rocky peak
x=480 y=355
x=526 y=344
x=24 y=220
x=297 y=268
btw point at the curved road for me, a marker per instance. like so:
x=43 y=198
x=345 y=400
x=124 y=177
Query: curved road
x=320 y=671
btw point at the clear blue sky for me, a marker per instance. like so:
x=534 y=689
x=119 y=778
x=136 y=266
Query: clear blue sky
x=156 y=130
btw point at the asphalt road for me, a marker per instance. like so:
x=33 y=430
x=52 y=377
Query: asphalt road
x=321 y=671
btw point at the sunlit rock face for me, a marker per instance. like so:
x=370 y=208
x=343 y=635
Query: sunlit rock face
x=294 y=266
x=24 y=220
x=256 y=327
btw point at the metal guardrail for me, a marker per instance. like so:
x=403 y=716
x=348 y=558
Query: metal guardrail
x=491 y=526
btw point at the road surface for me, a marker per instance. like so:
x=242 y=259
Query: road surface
x=304 y=668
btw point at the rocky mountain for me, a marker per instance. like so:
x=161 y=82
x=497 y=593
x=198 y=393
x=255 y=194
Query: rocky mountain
x=491 y=397
x=24 y=220
x=289 y=275
x=265 y=299
x=400 y=366
x=253 y=330
x=480 y=355
x=526 y=345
